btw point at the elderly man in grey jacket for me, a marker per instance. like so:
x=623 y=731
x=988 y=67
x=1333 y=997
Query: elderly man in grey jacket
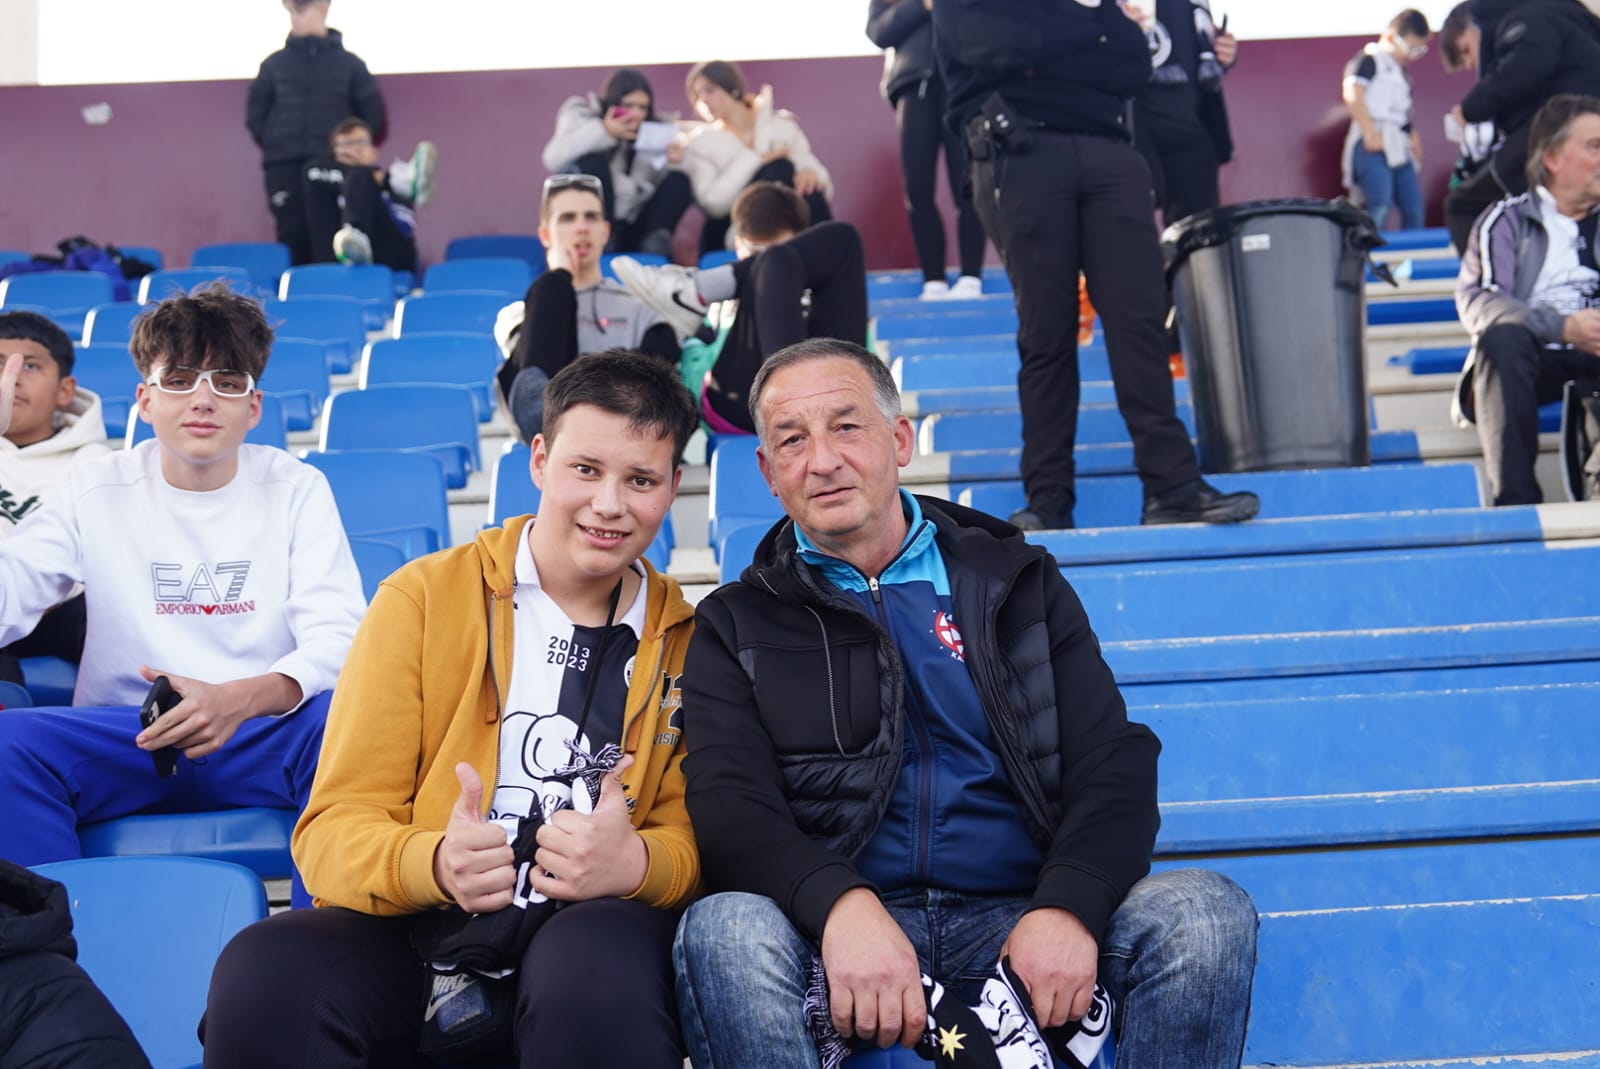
x=1529 y=293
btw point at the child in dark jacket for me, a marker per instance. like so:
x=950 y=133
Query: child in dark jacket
x=300 y=93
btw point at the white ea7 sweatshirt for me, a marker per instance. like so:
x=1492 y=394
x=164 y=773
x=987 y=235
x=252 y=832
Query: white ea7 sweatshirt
x=254 y=577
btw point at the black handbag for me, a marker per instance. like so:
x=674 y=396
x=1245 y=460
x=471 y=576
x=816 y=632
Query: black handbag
x=1580 y=439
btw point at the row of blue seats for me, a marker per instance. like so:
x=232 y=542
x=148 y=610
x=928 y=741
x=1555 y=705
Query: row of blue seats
x=298 y=376
x=900 y=321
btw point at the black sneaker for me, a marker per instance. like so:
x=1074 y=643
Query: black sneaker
x=1199 y=502
x=1048 y=510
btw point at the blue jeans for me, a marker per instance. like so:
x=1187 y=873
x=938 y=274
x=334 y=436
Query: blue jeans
x=1178 y=959
x=1384 y=185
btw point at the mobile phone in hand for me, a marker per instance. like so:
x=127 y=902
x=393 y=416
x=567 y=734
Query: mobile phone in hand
x=160 y=698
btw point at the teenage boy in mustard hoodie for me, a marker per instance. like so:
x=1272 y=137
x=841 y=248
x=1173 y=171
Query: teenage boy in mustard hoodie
x=489 y=682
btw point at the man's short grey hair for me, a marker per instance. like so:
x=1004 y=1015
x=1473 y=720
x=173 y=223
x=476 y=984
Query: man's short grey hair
x=1550 y=129
x=884 y=392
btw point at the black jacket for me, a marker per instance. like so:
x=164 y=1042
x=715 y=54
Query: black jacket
x=50 y=1012
x=905 y=29
x=794 y=720
x=1055 y=62
x=1531 y=51
x=303 y=91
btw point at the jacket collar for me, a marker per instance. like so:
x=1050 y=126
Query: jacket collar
x=971 y=538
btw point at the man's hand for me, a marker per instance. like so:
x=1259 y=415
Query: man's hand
x=1226 y=47
x=807 y=181
x=8 y=388
x=675 y=151
x=209 y=714
x=1581 y=330
x=874 y=982
x=592 y=855
x=474 y=864
x=1056 y=958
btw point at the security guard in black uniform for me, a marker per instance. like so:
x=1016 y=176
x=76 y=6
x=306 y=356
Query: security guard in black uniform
x=1040 y=90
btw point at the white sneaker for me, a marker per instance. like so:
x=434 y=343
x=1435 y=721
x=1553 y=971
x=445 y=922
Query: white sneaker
x=935 y=290
x=966 y=288
x=669 y=289
x=351 y=246
x=413 y=178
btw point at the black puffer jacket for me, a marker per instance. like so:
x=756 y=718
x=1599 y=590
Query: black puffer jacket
x=904 y=29
x=794 y=720
x=303 y=91
x=1531 y=50
x=51 y=1015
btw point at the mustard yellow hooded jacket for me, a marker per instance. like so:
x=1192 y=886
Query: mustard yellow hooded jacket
x=422 y=690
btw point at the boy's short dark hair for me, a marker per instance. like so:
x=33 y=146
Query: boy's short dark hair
x=625 y=382
x=211 y=327
x=767 y=211
x=348 y=126
x=1409 y=23
x=31 y=326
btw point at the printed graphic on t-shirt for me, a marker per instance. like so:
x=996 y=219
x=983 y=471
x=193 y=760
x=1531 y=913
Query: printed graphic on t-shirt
x=543 y=757
x=1570 y=279
x=190 y=588
x=12 y=509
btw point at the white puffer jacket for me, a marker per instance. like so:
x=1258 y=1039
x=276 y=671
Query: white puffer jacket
x=720 y=165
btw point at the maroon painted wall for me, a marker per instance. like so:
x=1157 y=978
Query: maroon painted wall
x=175 y=167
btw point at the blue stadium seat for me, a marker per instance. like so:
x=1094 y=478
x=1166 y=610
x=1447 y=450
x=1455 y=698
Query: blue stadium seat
x=337 y=322
x=12 y=256
x=376 y=560
x=64 y=296
x=1436 y=237
x=954 y=431
x=738 y=546
x=263 y=261
x=466 y=310
x=388 y=495
x=493 y=274
x=458 y=359
x=272 y=429
x=111 y=324
x=149 y=930
x=1438 y=360
x=178 y=281
x=371 y=284
x=50 y=679
x=983 y=368
x=524 y=247
x=716 y=258
x=297 y=375
x=440 y=420
x=15 y=696
x=255 y=837
x=1411 y=310
x=512 y=493
x=108 y=371
x=738 y=494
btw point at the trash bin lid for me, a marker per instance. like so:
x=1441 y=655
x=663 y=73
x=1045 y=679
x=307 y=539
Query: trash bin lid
x=1217 y=226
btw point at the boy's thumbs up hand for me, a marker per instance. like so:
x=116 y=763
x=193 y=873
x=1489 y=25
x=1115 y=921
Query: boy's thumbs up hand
x=595 y=854
x=474 y=864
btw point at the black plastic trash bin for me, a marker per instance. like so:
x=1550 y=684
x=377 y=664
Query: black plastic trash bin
x=1272 y=315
